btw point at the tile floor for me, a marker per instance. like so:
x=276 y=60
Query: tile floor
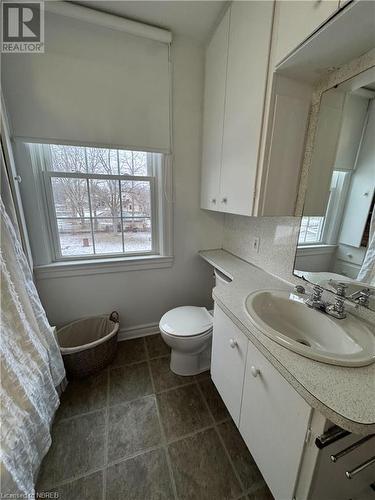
x=138 y=431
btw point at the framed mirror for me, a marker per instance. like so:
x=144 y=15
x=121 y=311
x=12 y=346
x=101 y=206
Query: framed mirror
x=337 y=234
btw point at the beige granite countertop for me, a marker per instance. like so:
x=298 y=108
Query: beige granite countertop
x=346 y=396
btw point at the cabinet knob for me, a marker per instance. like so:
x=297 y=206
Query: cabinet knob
x=233 y=343
x=224 y=200
x=213 y=200
x=254 y=371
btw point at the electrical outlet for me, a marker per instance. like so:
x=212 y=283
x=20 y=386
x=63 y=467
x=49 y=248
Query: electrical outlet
x=256 y=243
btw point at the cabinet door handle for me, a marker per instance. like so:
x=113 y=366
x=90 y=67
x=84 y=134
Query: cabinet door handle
x=254 y=371
x=213 y=200
x=233 y=343
x=224 y=200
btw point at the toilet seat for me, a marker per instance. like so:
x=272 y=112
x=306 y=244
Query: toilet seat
x=186 y=321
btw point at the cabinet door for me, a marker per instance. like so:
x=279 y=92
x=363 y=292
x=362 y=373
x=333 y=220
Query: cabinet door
x=289 y=115
x=213 y=117
x=248 y=54
x=229 y=346
x=274 y=422
x=297 y=20
x=362 y=188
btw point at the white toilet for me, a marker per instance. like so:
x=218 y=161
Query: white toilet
x=188 y=332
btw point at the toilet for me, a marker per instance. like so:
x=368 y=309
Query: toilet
x=188 y=332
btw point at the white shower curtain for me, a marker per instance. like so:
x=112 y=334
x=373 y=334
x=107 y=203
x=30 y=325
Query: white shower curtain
x=31 y=369
x=367 y=272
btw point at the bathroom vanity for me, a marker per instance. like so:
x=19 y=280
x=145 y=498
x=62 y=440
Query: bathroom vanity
x=283 y=402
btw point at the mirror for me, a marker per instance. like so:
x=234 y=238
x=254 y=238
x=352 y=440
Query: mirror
x=337 y=234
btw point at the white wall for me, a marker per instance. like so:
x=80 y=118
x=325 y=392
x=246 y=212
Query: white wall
x=142 y=297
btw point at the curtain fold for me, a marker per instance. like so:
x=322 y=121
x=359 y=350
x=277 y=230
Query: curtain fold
x=31 y=368
x=367 y=272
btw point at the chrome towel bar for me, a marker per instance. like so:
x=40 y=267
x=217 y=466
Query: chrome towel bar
x=351 y=473
x=351 y=448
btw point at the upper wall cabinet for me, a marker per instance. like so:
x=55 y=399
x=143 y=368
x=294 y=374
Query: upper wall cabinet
x=236 y=76
x=248 y=53
x=297 y=20
x=213 y=115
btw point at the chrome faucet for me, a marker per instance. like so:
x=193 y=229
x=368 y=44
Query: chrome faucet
x=362 y=297
x=337 y=309
x=315 y=300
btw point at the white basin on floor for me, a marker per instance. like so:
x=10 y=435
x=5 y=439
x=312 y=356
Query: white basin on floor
x=284 y=318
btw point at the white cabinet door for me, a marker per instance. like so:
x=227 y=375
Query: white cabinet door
x=249 y=45
x=274 y=422
x=214 y=97
x=286 y=140
x=229 y=347
x=362 y=188
x=297 y=20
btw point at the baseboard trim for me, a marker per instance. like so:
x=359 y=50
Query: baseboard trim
x=135 y=332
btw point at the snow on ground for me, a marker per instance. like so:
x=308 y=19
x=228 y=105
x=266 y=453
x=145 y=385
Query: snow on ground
x=105 y=243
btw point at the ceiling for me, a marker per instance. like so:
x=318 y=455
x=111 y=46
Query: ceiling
x=195 y=19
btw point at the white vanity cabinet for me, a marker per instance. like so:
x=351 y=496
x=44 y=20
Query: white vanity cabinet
x=278 y=425
x=229 y=348
x=297 y=20
x=274 y=422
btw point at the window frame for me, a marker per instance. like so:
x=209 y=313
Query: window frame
x=316 y=242
x=41 y=155
x=329 y=231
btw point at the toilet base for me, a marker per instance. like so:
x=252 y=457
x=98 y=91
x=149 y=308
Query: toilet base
x=190 y=364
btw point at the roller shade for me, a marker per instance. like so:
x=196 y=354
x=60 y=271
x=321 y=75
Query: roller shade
x=94 y=84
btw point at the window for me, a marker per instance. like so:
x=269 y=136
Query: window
x=320 y=230
x=311 y=230
x=100 y=202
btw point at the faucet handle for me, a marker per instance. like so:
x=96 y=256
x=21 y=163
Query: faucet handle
x=337 y=310
x=317 y=291
x=364 y=297
x=341 y=289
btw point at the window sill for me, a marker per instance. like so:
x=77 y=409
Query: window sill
x=101 y=266
x=319 y=248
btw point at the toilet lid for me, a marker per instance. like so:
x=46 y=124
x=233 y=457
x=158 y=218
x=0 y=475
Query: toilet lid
x=186 y=321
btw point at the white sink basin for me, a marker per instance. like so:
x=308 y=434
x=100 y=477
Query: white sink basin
x=284 y=318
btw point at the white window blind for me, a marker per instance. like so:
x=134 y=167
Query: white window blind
x=95 y=84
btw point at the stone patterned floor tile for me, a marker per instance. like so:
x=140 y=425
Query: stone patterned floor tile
x=262 y=494
x=88 y=487
x=77 y=448
x=182 y=411
x=201 y=468
x=129 y=382
x=84 y=395
x=243 y=461
x=214 y=401
x=156 y=346
x=130 y=351
x=144 y=477
x=163 y=377
x=133 y=427
x=203 y=375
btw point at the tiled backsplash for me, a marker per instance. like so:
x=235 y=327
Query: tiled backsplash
x=277 y=242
